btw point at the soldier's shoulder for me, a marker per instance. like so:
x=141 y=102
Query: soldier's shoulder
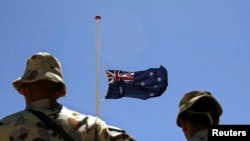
x=14 y=117
x=71 y=113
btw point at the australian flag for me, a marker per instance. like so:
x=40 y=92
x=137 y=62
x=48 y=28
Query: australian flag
x=139 y=84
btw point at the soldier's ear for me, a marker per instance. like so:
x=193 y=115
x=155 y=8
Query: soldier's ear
x=216 y=122
x=184 y=124
x=59 y=92
x=23 y=90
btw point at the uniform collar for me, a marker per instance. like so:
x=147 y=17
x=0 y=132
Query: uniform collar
x=200 y=135
x=43 y=104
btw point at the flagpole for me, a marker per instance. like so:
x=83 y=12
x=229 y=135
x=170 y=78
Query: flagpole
x=98 y=18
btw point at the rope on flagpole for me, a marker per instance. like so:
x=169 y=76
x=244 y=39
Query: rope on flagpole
x=98 y=18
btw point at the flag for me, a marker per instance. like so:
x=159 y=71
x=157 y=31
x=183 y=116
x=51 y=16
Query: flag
x=139 y=84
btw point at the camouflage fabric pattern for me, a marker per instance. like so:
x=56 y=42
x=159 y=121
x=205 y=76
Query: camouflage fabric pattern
x=41 y=66
x=24 y=126
x=191 y=98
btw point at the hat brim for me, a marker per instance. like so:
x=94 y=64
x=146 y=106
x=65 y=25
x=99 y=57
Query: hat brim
x=17 y=84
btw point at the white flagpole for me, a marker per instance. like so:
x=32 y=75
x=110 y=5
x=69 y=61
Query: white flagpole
x=98 y=18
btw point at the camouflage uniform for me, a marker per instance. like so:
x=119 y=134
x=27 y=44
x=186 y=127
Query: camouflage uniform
x=200 y=136
x=24 y=126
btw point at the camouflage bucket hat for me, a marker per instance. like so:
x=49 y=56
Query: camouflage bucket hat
x=191 y=98
x=41 y=66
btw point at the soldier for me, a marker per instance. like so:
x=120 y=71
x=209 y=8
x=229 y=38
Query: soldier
x=197 y=111
x=44 y=119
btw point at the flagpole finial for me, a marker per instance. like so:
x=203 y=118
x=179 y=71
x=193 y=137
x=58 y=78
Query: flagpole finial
x=97 y=17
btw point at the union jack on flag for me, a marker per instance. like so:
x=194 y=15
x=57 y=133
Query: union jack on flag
x=117 y=75
x=139 y=84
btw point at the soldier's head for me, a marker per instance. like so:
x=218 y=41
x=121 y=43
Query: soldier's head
x=199 y=108
x=43 y=71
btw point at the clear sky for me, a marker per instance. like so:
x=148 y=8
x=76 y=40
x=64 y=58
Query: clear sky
x=202 y=44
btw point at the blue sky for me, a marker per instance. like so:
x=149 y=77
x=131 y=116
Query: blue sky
x=202 y=44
